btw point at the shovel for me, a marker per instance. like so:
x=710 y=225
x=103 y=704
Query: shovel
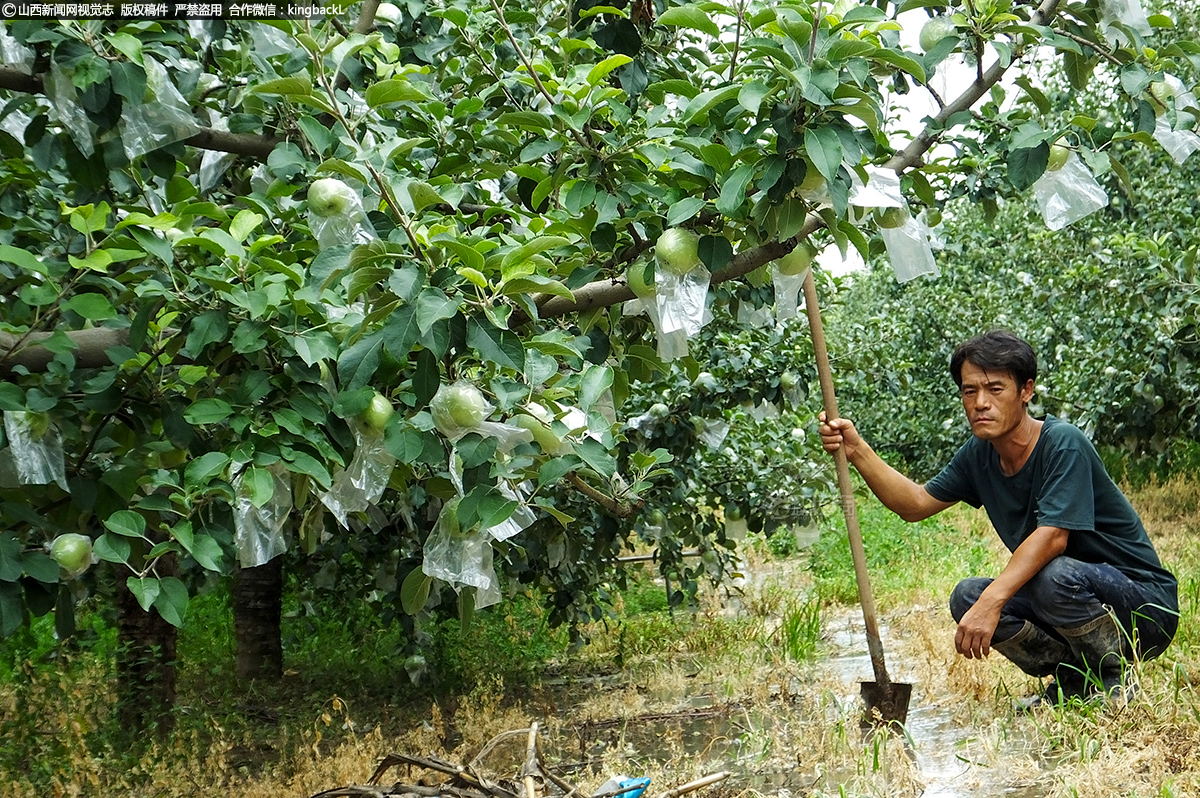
x=886 y=701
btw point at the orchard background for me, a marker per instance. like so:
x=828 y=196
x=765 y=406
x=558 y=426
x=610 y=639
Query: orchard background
x=194 y=339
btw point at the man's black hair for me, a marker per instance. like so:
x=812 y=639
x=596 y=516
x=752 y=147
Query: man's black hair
x=996 y=350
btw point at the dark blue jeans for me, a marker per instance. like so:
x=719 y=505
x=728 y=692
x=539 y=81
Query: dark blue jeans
x=1068 y=593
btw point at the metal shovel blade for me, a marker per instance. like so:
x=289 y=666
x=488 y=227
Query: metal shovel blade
x=886 y=702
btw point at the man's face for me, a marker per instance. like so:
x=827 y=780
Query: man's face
x=994 y=404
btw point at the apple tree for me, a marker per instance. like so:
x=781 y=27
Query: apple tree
x=222 y=243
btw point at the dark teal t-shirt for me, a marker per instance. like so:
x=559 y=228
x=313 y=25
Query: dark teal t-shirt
x=1063 y=484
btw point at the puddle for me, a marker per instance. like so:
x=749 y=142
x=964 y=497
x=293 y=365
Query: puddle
x=759 y=743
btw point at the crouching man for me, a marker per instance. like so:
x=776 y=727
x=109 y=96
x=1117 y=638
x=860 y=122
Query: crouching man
x=1084 y=592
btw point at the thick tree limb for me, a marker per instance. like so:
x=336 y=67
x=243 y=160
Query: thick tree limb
x=90 y=349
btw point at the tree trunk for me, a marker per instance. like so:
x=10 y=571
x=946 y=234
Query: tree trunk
x=145 y=665
x=257 y=608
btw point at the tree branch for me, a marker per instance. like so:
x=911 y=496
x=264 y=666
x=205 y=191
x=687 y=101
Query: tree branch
x=604 y=293
x=252 y=144
x=90 y=349
x=614 y=507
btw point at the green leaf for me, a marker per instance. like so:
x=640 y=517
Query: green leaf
x=1078 y=69
x=172 y=601
x=10 y=558
x=501 y=347
x=245 y=223
x=535 y=284
x=112 y=548
x=433 y=306
x=19 y=257
x=207 y=411
x=751 y=94
x=93 y=307
x=824 y=148
x=204 y=468
x=400 y=334
x=396 y=90
x=127 y=523
x=208 y=552
x=144 y=589
x=37 y=564
x=733 y=190
x=11 y=397
x=292 y=86
x=259 y=484
x=414 y=591
x=701 y=104
x=689 y=17
x=905 y=63
x=683 y=210
x=531 y=248
x=597 y=457
x=601 y=70
x=1027 y=164
x=304 y=463
x=594 y=382
x=12 y=608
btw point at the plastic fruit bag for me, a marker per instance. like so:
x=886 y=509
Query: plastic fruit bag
x=1123 y=12
x=461 y=558
x=1068 y=194
x=458 y=408
x=34 y=450
x=65 y=108
x=882 y=189
x=681 y=302
x=909 y=250
x=787 y=291
x=163 y=118
x=335 y=214
x=14 y=54
x=361 y=483
x=521 y=517
x=258 y=531
x=1178 y=140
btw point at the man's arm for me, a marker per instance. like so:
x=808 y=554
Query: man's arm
x=898 y=493
x=973 y=639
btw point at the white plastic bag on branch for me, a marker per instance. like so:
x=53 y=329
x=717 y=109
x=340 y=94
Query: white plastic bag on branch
x=787 y=291
x=162 y=119
x=458 y=408
x=909 y=250
x=1123 y=12
x=361 y=483
x=1179 y=140
x=714 y=433
x=461 y=558
x=521 y=518
x=682 y=304
x=14 y=54
x=34 y=453
x=335 y=214
x=258 y=529
x=1179 y=144
x=882 y=189
x=65 y=108
x=1068 y=194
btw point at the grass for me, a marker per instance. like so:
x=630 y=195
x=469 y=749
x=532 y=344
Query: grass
x=742 y=682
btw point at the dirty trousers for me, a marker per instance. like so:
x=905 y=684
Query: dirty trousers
x=1068 y=593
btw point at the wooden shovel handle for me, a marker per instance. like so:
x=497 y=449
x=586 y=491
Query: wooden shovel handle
x=845 y=487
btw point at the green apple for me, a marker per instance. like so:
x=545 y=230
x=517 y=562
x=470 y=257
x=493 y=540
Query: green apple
x=678 y=250
x=378 y=412
x=640 y=278
x=659 y=411
x=891 y=217
x=788 y=380
x=813 y=179
x=798 y=260
x=933 y=217
x=457 y=407
x=73 y=553
x=329 y=197
x=705 y=382
x=1058 y=157
x=934 y=30
x=542 y=433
